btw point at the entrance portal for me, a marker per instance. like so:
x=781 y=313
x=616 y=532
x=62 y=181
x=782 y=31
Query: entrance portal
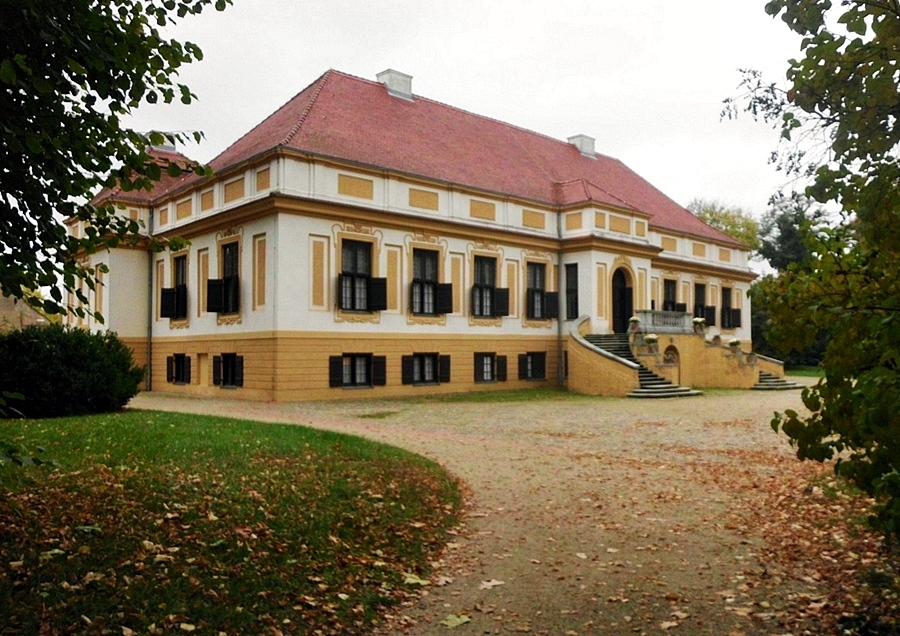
x=622 y=301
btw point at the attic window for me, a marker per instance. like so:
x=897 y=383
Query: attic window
x=398 y=84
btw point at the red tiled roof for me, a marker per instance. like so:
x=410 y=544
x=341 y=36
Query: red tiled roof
x=348 y=118
x=161 y=188
x=354 y=119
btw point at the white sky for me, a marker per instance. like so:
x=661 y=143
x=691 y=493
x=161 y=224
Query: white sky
x=646 y=79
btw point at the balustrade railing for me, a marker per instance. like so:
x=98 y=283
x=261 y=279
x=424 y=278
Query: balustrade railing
x=665 y=321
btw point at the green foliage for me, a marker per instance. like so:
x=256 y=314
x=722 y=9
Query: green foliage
x=64 y=371
x=844 y=89
x=161 y=522
x=786 y=227
x=69 y=74
x=735 y=222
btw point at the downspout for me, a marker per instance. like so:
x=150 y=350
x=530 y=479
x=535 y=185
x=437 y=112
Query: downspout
x=560 y=305
x=148 y=377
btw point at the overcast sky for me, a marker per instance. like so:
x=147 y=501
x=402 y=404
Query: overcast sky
x=645 y=79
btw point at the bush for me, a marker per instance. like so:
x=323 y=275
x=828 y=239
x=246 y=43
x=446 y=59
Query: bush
x=62 y=371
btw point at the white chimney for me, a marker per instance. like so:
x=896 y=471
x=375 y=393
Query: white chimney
x=398 y=84
x=584 y=144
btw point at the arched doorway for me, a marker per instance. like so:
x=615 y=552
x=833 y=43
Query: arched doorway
x=622 y=300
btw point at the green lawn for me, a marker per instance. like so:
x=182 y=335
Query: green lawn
x=160 y=522
x=806 y=372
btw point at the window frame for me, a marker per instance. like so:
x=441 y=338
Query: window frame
x=489 y=367
x=354 y=284
x=533 y=365
x=228 y=370
x=178 y=369
x=374 y=367
x=571 y=291
x=424 y=286
x=223 y=294
x=484 y=282
x=670 y=294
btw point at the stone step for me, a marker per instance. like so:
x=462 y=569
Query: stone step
x=671 y=391
x=769 y=382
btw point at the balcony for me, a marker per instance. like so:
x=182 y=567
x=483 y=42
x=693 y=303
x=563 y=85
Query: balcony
x=653 y=321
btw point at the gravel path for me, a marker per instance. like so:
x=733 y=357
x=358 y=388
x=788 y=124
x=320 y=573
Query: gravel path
x=598 y=515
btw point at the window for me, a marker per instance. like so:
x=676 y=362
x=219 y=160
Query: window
x=173 y=300
x=357 y=290
x=228 y=370
x=571 y=291
x=223 y=295
x=533 y=366
x=489 y=367
x=427 y=296
x=357 y=369
x=699 y=300
x=425 y=368
x=487 y=300
x=178 y=369
x=731 y=317
x=541 y=305
x=670 y=288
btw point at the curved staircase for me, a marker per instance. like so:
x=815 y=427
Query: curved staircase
x=652 y=385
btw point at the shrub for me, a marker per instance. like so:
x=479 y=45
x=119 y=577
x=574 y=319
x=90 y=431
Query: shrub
x=63 y=371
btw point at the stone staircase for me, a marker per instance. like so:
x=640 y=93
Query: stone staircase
x=769 y=382
x=652 y=385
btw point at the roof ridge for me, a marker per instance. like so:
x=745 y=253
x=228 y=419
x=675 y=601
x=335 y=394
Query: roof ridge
x=323 y=79
x=505 y=124
x=267 y=118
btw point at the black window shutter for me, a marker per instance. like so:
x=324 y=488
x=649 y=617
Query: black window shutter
x=181 y=301
x=377 y=294
x=710 y=316
x=539 y=366
x=479 y=367
x=523 y=366
x=167 y=302
x=186 y=369
x=335 y=370
x=379 y=370
x=443 y=298
x=238 y=370
x=501 y=368
x=444 y=369
x=217 y=370
x=407 y=364
x=501 y=302
x=735 y=318
x=681 y=307
x=215 y=295
x=529 y=304
x=551 y=304
x=472 y=293
x=170 y=369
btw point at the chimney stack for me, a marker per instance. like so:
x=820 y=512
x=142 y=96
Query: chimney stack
x=398 y=84
x=584 y=144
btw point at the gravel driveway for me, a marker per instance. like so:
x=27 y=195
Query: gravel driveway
x=586 y=515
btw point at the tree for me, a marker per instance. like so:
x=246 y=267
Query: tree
x=844 y=89
x=736 y=223
x=70 y=71
x=785 y=228
x=784 y=233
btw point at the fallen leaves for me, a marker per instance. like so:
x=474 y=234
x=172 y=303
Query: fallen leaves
x=455 y=620
x=487 y=585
